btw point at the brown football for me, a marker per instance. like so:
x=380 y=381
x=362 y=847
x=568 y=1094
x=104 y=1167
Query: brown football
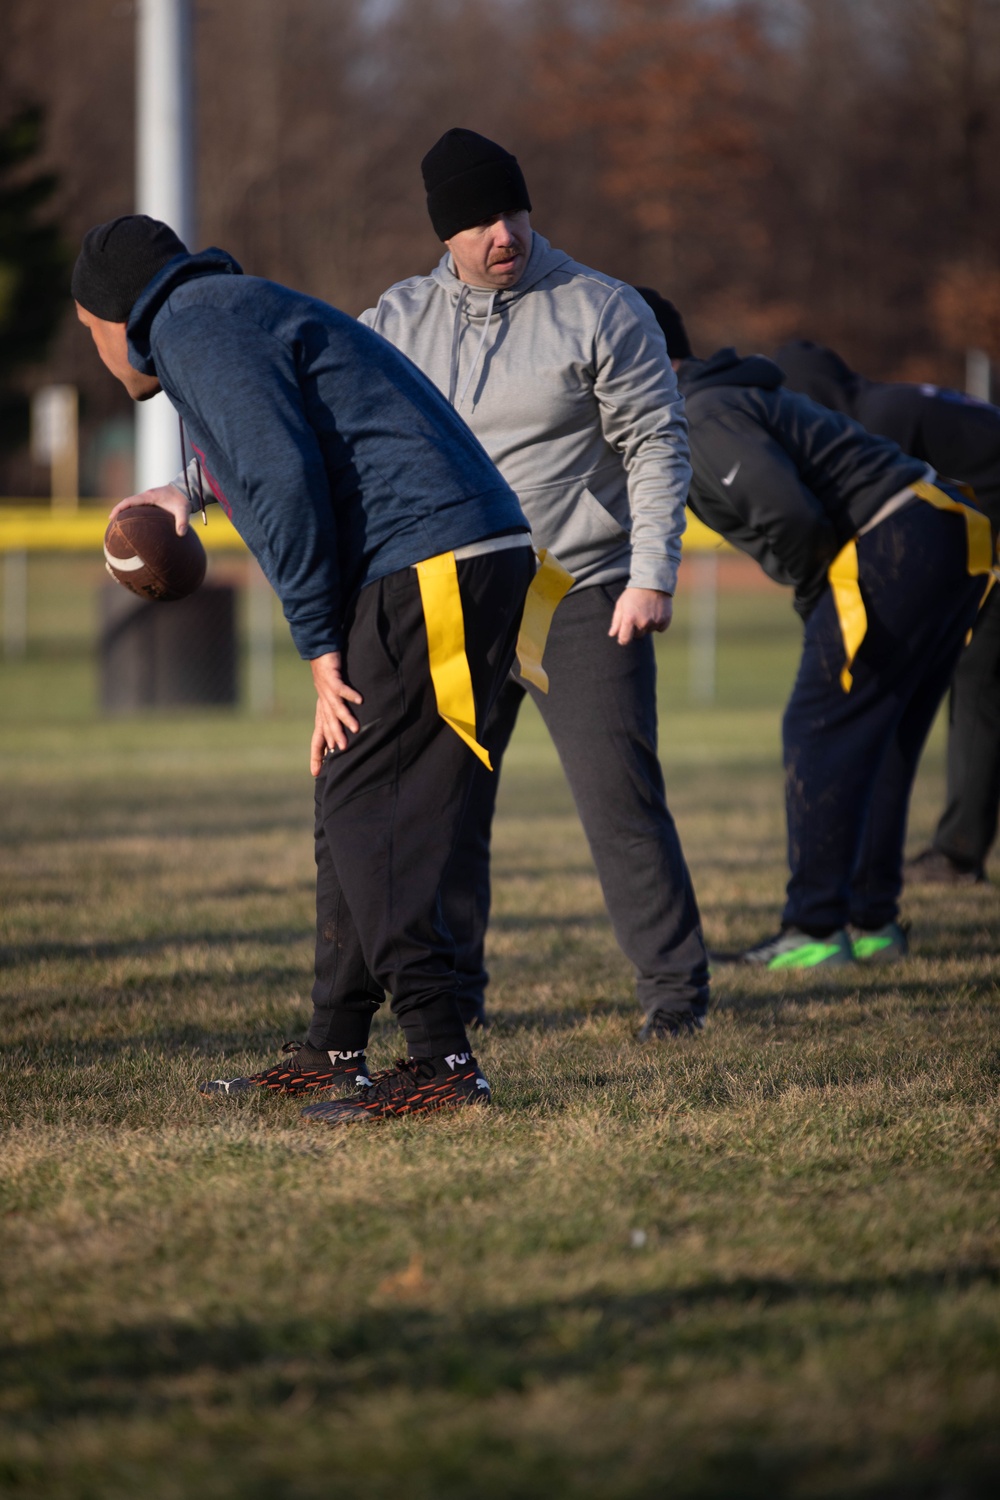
x=143 y=551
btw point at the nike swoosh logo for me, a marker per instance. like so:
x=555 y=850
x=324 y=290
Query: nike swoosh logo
x=727 y=479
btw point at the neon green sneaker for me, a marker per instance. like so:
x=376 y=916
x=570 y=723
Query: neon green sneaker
x=794 y=949
x=883 y=945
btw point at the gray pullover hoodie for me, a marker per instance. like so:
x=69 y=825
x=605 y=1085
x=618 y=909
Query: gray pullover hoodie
x=564 y=379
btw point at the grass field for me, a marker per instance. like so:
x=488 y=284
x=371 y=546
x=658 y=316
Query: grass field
x=762 y=1263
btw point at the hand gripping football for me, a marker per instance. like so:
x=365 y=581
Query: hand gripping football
x=143 y=551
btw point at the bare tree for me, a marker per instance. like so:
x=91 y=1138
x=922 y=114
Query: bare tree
x=827 y=167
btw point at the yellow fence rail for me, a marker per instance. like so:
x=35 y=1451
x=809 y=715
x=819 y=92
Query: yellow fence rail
x=28 y=529
x=25 y=528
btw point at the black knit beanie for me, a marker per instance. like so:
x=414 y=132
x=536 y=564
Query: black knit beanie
x=670 y=321
x=469 y=179
x=117 y=262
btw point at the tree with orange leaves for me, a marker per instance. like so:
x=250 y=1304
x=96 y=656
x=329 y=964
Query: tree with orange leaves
x=668 y=91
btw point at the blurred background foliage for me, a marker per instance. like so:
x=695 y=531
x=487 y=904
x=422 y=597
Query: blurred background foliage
x=829 y=168
x=34 y=266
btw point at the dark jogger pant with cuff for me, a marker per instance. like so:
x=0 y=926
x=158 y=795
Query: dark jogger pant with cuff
x=388 y=809
x=851 y=758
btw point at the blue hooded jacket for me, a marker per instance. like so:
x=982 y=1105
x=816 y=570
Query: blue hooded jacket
x=336 y=459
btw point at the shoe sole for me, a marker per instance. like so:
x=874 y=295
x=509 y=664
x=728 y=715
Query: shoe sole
x=783 y=961
x=353 y=1112
x=810 y=956
x=229 y=1088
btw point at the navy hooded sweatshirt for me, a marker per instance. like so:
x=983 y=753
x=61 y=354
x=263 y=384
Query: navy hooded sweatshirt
x=956 y=434
x=780 y=476
x=336 y=459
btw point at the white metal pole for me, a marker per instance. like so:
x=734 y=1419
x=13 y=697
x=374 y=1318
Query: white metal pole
x=164 y=185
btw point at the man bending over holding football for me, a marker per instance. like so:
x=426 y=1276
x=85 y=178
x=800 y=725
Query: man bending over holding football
x=401 y=558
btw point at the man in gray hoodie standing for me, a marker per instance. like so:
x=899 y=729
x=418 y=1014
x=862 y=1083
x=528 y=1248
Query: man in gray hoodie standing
x=562 y=374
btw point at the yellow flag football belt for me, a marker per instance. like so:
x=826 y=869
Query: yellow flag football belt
x=445 y=622
x=843 y=571
x=550 y=584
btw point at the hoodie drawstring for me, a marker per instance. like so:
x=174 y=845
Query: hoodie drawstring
x=456 y=335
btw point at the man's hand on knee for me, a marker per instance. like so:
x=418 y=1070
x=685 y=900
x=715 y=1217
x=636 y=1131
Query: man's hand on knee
x=639 y=611
x=333 y=709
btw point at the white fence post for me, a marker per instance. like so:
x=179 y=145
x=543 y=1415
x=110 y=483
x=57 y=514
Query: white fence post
x=55 y=440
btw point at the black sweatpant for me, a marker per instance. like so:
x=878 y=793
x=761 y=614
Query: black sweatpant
x=850 y=758
x=601 y=713
x=388 y=809
x=968 y=825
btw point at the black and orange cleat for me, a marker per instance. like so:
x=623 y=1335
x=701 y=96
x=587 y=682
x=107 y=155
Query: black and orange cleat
x=307 y=1071
x=419 y=1086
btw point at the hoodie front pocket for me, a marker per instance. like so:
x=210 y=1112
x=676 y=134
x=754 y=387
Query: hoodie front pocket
x=573 y=525
x=601 y=523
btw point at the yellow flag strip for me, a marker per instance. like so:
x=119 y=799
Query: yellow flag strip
x=977 y=526
x=550 y=584
x=843 y=571
x=449 y=665
x=843 y=576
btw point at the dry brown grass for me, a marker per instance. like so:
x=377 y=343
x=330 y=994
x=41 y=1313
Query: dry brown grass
x=765 y=1263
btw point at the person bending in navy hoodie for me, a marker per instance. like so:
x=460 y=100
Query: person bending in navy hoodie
x=889 y=565
x=401 y=558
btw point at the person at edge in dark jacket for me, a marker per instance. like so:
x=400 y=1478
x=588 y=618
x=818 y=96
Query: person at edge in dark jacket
x=889 y=565
x=958 y=436
x=401 y=558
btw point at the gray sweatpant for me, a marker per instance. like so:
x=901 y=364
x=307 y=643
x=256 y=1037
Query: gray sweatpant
x=601 y=713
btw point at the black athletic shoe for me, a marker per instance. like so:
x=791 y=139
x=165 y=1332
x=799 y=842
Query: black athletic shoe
x=663 y=1024
x=934 y=867
x=306 y=1072
x=418 y=1086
